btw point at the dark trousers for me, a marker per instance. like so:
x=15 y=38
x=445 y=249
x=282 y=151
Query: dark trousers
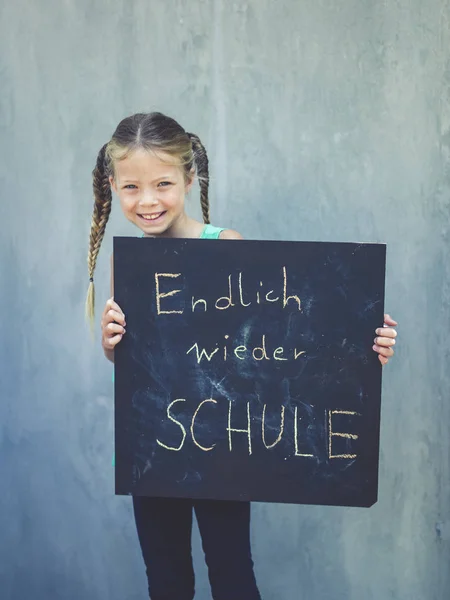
x=164 y=528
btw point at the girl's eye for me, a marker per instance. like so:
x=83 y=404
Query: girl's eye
x=164 y=183
x=130 y=186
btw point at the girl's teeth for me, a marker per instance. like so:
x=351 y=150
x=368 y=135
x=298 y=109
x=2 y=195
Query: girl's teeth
x=151 y=217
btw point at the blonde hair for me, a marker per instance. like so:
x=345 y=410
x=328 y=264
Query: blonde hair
x=154 y=132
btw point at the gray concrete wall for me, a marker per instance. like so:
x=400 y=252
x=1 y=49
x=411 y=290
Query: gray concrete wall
x=324 y=120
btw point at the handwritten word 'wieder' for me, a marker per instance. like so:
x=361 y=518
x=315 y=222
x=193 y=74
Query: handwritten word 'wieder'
x=241 y=352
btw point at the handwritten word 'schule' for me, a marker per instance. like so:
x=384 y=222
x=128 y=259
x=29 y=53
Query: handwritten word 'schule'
x=246 y=429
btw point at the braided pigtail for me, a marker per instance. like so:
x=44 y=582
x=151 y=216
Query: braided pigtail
x=102 y=210
x=202 y=165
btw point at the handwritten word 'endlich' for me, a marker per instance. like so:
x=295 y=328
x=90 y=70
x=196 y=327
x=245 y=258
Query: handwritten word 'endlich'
x=332 y=433
x=225 y=302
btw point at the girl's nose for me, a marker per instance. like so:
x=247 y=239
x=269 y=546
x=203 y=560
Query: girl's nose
x=148 y=198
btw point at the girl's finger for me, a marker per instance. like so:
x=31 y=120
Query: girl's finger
x=387 y=352
x=112 y=342
x=108 y=306
x=384 y=341
x=112 y=328
x=111 y=305
x=113 y=315
x=383 y=360
x=390 y=321
x=386 y=332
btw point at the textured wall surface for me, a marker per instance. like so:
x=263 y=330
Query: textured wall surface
x=324 y=120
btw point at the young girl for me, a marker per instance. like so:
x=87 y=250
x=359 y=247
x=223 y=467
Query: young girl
x=150 y=162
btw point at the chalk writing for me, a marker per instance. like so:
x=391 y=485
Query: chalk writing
x=242 y=352
x=243 y=368
x=269 y=446
x=193 y=422
x=247 y=430
x=297 y=453
x=169 y=416
x=331 y=433
x=227 y=301
x=159 y=295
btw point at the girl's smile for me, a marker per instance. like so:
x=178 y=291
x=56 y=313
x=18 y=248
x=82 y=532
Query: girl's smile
x=154 y=217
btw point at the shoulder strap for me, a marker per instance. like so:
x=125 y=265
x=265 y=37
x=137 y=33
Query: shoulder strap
x=211 y=233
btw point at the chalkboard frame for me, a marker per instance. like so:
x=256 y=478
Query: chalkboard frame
x=271 y=481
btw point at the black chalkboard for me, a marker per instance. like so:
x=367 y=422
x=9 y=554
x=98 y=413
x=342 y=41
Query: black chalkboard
x=247 y=370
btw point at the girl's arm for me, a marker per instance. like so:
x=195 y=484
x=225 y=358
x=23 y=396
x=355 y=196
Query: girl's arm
x=113 y=323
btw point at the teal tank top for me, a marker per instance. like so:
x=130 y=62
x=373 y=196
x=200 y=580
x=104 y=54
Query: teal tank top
x=209 y=233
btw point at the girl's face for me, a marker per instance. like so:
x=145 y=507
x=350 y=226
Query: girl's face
x=151 y=191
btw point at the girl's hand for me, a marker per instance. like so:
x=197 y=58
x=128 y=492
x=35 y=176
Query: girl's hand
x=113 y=325
x=385 y=340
